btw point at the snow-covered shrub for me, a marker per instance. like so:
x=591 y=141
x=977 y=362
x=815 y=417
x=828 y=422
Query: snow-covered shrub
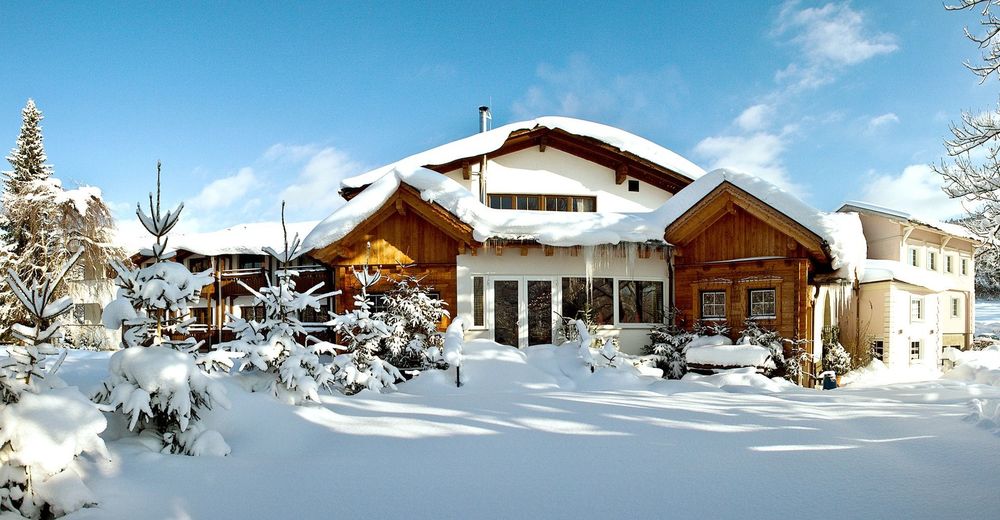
x=154 y=380
x=43 y=424
x=836 y=358
x=667 y=345
x=754 y=334
x=604 y=356
x=796 y=360
x=710 y=328
x=360 y=367
x=568 y=329
x=278 y=346
x=412 y=316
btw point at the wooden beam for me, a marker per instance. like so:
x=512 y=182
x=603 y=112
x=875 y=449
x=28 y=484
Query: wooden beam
x=621 y=172
x=524 y=251
x=549 y=250
x=466 y=170
x=498 y=250
x=400 y=208
x=542 y=142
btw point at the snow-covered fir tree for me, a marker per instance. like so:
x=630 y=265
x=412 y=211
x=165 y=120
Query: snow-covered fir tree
x=754 y=334
x=360 y=367
x=278 y=347
x=154 y=380
x=668 y=343
x=40 y=222
x=44 y=425
x=836 y=358
x=412 y=316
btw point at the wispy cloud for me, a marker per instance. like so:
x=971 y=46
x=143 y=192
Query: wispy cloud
x=917 y=189
x=755 y=117
x=758 y=153
x=578 y=89
x=878 y=122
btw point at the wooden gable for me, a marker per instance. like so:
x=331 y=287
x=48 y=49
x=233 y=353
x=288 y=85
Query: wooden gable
x=405 y=230
x=623 y=164
x=729 y=224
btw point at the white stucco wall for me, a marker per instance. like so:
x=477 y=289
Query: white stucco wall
x=536 y=265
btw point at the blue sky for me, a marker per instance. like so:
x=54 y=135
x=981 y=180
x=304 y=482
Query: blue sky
x=246 y=103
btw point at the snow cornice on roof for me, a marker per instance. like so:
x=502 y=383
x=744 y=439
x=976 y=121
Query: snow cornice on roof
x=955 y=230
x=492 y=140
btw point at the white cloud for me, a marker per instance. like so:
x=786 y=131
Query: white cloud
x=317 y=183
x=878 y=122
x=578 y=89
x=833 y=34
x=224 y=192
x=756 y=117
x=917 y=190
x=756 y=153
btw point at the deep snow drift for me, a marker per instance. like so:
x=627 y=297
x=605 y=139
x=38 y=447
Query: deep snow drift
x=534 y=434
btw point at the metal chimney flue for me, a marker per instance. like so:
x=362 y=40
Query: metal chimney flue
x=484 y=118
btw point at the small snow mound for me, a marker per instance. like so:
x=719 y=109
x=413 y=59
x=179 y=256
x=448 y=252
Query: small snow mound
x=487 y=367
x=741 y=380
x=877 y=373
x=729 y=355
x=709 y=341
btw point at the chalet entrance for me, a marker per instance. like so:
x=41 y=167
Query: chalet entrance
x=521 y=309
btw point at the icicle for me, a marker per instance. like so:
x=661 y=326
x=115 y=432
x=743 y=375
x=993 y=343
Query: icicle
x=631 y=255
x=588 y=259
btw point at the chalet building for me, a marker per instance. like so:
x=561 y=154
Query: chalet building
x=917 y=293
x=551 y=218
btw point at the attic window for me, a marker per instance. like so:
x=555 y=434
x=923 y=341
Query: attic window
x=543 y=202
x=633 y=185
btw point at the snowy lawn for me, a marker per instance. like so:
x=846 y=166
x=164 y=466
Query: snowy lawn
x=535 y=436
x=987 y=316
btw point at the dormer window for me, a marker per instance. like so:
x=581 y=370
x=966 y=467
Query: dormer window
x=543 y=202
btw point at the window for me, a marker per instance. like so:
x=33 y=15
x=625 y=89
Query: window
x=713 y=305
x=932 y=260
x=965 y=266
x=542 y=202
x=949 y=264
x=310 y=315
x=633 y=185
x=197 y=265
x=914 y=350
x=640 y=301
x=763 y=303
x=379 y=301
x=878 y=350
x=252 y=312
x=916 y=309
x=201 y=315
x=601 y=299
x=478 y=302
x=914 y=257
x=955 y=310
x=251 y=262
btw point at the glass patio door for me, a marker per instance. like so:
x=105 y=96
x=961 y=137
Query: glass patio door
x=522 y=311
x=506 y=312
x=539 y=304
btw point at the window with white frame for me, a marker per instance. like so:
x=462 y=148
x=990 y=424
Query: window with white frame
x=955 y=308
x=763 y=303
x=878 y=349
x=965 y=266
x=598 y=297
x=914 y=257
x=949 y=264
x=478 y=301
x=640 y=301
x=914 y=350
x=916 y=308
x=713 y=305
x=932 y=260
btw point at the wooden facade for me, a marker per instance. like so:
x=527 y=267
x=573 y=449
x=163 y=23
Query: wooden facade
x=407 y=236
x=733 y=243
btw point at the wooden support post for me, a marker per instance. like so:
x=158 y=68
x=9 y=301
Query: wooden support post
x=621 y=172
x=542 y=142
x=524 y=250
x=549 y=250
x=466 y=170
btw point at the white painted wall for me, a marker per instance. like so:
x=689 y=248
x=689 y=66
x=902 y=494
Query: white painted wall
x=554 y=172
x=632 y=337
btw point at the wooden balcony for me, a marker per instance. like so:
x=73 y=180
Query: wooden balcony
x=255 y=278
x=309 y=276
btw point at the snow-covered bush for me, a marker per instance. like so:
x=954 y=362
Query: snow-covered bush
x=710 y=328
x=667 y=345
x=568 y=329
x=836 y=358
x=155 y=381
x=360 y=367
x=796 y=360
x=44 y=425
x=754 y=334
x=278 y=346
x=412 y=316
x=604 y=356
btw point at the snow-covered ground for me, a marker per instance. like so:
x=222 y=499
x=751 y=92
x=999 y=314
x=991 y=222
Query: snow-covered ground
x=533 y=434
x=987 y=316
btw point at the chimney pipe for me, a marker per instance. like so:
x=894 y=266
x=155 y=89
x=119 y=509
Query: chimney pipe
x=484 y=116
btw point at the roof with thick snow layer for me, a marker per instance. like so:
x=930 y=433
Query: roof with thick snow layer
x=489 y=141
x=841 y=232
x=951 y=229
x=891 y=270
x=245 y=239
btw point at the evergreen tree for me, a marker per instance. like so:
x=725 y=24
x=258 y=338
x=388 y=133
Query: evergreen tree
x=154 y=379
x=279 y=346
x=412 y=316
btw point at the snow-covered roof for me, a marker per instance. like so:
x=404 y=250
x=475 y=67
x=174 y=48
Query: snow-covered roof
x=247 y=239
x=842 y=232
x=889 y=270
x=489 y=141
x=956 y=230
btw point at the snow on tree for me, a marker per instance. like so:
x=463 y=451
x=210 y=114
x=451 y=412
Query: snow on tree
x=360 y=367
x=44 y=425
x=754 y=334
x=40 y=222
x=836 y=358
x=155 y=380
x=412 y=316
x=667 y=345
x=595 y=357
x=278 y=346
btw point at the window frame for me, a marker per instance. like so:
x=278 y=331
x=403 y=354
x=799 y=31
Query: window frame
x=774 y=303
x=878 y=349
x=919 y=316
x=915 y=350
x=612 y=317
x=949 y=264
x=702 y=303
x=480 y=293
x=956 y=307
x=638 y=292
x=932 y=260
x=543 y=199
x=965 y=266
x=914 y=257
